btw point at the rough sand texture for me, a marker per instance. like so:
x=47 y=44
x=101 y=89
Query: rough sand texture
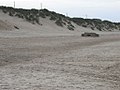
x=5 y=26
x=60 y=63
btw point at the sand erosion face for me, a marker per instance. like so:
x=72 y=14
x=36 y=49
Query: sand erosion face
x=4 y=25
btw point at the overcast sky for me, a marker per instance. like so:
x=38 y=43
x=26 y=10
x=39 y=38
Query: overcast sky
x=103 y=9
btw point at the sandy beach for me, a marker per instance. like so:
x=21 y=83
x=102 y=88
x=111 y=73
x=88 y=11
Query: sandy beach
x=60 y=63
x=49 y=57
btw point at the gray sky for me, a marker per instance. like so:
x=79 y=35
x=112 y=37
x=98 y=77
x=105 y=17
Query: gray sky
x=103 y=9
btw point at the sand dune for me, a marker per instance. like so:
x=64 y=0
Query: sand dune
x=5 y=26
x=48 y=27
x=50 y=57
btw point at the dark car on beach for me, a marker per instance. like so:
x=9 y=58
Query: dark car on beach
x=89 y=34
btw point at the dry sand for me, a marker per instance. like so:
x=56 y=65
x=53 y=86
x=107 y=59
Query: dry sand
x=60 y=63
x=49 y=57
